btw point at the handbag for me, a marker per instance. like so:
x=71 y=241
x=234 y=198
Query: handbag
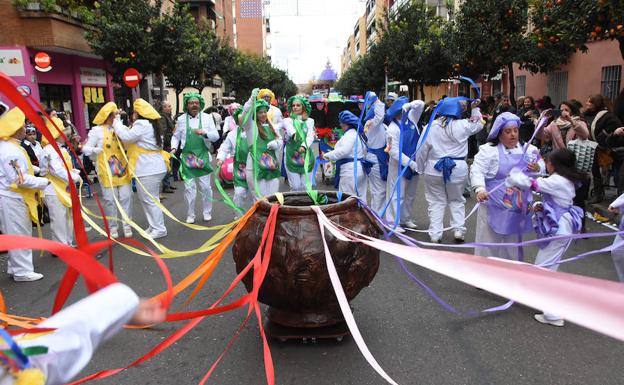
x=585 y=151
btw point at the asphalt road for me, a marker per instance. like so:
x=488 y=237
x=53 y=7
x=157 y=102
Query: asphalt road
x=412 y=337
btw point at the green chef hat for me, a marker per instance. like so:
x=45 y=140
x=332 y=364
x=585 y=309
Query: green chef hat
x=304 y=102
x=193 y=95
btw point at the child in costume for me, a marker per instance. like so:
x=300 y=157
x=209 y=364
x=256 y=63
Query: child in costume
x=556 y=214
x=235 y=145
x=147 y=160
x=20 y=191
x=402 y=116
x=105 y=148
x=79 y=330
x=300 y=135
x=54 y=168
x=264 y=142
x=343 y=155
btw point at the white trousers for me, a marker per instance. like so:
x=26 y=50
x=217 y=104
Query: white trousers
x=124 y=196
x=151 y=184
x=377 y=187
x=297 y=182
x=555 y=250
x=61 y=223
x=266 y=186
x=347 y=184
x=190 y=193
x=408 y=195
x=618 y=257
x=441 y=195
x=14 y=220
x=485 y=234
x=242 y=197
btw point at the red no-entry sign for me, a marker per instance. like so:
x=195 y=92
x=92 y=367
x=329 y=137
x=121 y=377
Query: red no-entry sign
x=131 y=77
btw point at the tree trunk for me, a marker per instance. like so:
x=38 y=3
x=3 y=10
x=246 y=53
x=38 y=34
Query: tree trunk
x=177 y=103
x=422 y=91
x=512 y=84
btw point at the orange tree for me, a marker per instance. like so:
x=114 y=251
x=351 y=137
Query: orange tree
x=564 y=26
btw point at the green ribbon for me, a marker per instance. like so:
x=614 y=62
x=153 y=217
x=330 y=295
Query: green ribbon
x=313 y=194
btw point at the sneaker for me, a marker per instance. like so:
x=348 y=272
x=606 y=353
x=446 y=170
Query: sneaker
x=459 y=236
x=114 y=233
x=128 y=233
x=542 y=318
x=207 y=217
x=399 y=229
x=410 y=224
x=190 y=219
x=436 y=239
x=32 y=276
x=156 y=235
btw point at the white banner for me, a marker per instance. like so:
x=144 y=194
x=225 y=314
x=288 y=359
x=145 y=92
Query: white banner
x=11 y=62
x=92 y=76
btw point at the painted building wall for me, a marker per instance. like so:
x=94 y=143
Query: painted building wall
x=250 y=33
x=584 y=72
x=66 y=70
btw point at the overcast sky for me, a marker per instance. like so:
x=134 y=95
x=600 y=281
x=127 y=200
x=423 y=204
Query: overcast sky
x=305 y=33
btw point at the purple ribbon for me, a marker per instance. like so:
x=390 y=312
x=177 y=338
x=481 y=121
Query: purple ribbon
x=473 y=313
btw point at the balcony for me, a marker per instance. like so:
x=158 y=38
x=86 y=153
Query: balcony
x=48 y=25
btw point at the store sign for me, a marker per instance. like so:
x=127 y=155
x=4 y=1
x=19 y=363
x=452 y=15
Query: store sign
x=11 y=62
x=43 y=62
x=92 y=76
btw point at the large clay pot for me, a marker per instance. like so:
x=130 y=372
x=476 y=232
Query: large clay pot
x=297 y=286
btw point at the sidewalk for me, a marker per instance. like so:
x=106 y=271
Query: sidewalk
x=600 y=210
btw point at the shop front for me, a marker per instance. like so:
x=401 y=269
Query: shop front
x=70 y=81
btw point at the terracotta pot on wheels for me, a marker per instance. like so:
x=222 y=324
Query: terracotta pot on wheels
x=297 y=287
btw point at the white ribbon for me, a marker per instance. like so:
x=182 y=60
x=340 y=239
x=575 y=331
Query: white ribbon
x=342 y=298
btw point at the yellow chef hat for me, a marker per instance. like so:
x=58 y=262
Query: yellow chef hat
x=264 y=92
x=145 y=110
x=11 y=122
x=53 y=130
x=104 y=113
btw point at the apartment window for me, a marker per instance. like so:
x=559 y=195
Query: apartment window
x=610 y=82
x=557 y=84
x=520 y=86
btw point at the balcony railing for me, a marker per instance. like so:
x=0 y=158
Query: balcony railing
x=66 y=11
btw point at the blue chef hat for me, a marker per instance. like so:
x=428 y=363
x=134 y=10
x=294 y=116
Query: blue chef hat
x=395 y=109
x=451 y=107
x=347 y=117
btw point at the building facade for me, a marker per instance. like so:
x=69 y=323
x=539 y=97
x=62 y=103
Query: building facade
x=52 y=61
x=242 y=23
x=599 y=71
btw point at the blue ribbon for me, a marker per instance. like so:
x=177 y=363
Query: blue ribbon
x=446 y=164
x=23 y=359
x=473 y=84
x=360 y=131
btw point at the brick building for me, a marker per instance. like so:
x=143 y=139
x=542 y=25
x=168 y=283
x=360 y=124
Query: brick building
x=74 y=80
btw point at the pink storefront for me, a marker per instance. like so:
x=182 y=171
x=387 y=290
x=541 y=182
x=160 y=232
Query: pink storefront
x=76 y=84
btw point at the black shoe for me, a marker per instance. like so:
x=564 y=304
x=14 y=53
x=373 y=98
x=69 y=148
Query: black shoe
x=168 y=191
x=173 y=187
x=596 y=199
